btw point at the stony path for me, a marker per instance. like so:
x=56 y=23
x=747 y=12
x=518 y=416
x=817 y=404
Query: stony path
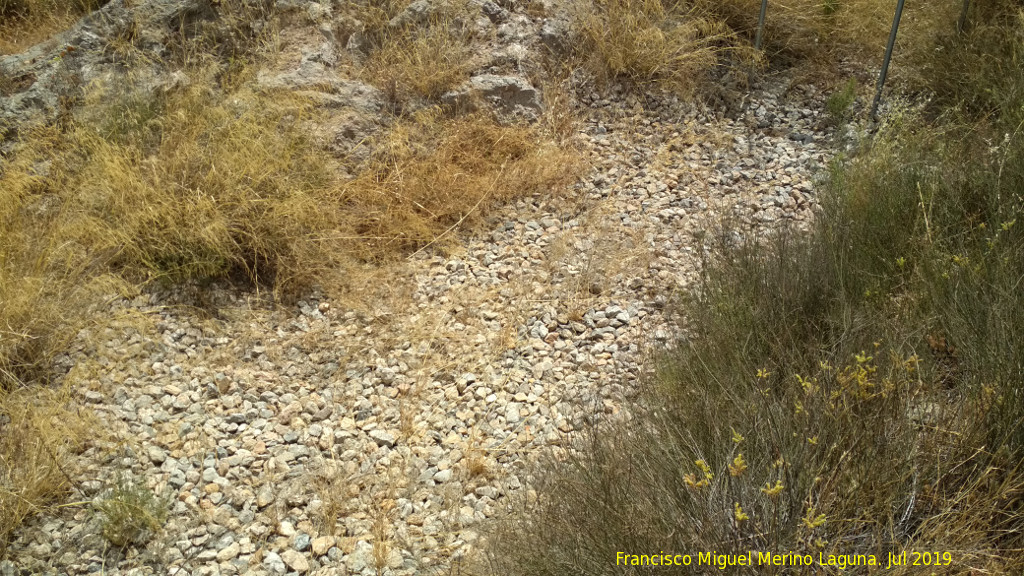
x=320 y=439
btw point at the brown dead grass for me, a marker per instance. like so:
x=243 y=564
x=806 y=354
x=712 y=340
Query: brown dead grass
x=651 y=42
x=821 y=35
x=421 y=62
x=47 y=284
x=24 y=23
x=432 y=175
x=416 y=61
x=40 y=431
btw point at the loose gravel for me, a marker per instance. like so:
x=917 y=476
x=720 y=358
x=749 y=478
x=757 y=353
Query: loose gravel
x=326 y=439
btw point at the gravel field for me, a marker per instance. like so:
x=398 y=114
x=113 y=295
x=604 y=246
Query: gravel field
x=324 y=438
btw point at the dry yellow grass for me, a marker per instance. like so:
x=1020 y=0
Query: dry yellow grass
x=823 y=33
x=432 y=175
x=182 y=189
x=420 y=62
x=651 y=41
x=41 y=431
x=416 y=61
x=27 y=22
x=47 y=284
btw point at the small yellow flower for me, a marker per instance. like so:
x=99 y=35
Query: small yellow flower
x=762 y=373
x=772 y=491
x=740 y=514
x=1007 y=225
x=811 y=521
x=738 y=466
x=704 y=468
x=813 y=440
x=736 y=437
x=799 y=408
x=692 y=482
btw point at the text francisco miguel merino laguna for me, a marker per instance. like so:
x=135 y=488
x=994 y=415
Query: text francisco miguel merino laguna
x=751 y=558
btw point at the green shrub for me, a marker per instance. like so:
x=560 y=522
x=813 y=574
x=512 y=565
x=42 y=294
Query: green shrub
x=841 y=101
x=131 y=514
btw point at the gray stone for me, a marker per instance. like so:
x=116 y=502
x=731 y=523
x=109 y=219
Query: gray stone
x=229 y=553
x=360 y=558
x=265 y=497
x=156 y=454
x=415 y=13
x=274 y=563
x=383 y=438
x=302 y=542
x=510 y=94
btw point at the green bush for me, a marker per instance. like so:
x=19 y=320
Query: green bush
x=130 y=513
x=841 y=101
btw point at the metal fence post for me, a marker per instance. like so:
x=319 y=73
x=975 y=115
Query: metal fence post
x=760 y=25
x=961 y=24
x=888 y=56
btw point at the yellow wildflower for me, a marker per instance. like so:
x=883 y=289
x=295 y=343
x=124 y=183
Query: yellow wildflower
x=738 y=466
x=692 y=482
x=704 y=468
x=737 y=437
x=811 y=521
x=740 y=515
x=772 y=491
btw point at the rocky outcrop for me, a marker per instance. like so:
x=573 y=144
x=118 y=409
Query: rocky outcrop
x=46 y=77
x=509 y=94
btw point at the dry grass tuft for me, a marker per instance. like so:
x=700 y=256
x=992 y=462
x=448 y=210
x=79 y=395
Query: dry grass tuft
x=337 y=491
x=383 y=544
x=40 y=430
x=47 y=284
x=27 y=22
x=420 y=62
x=651 y=41
x=181 y=189
x=432 y=175
x=821 y=34
x=475 y=461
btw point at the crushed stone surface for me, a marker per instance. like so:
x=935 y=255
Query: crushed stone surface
x=323 y=439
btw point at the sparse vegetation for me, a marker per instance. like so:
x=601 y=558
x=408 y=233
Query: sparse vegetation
x=421 y=61
x=212 y=181
x=42 y=432
x=651 y=41
x=130 y=513
x=25 y=22
x=856 y=390
x=840 y=102
x=852 y=391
